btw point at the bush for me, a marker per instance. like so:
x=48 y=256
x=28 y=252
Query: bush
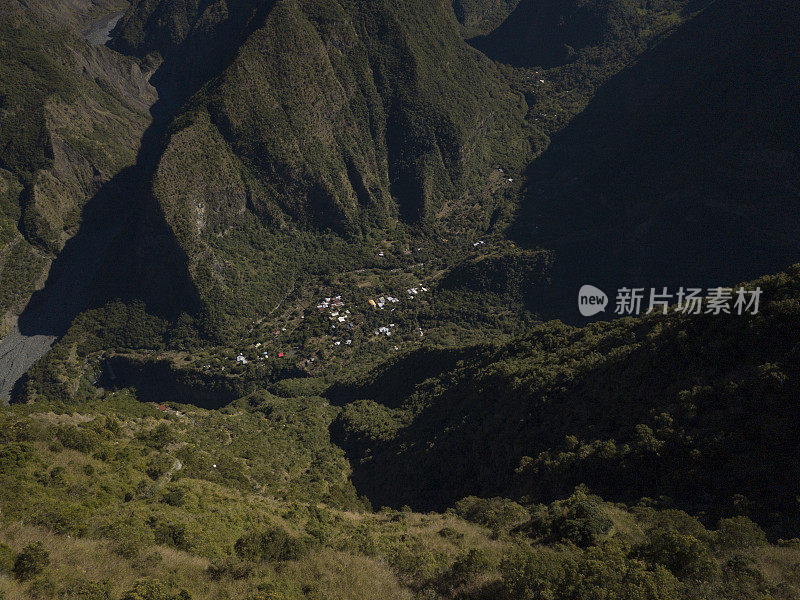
x=274 y=544
x=159 y=437
x=451 y=534
x=130 y=536
x=158 y=466
x=684 y=555
x=230 y=567
x=601 y=572
x=739 y=533
x=148 y=589
x=76 y=438
x=171 y=533
x=88 y=590
x=499 y=514
x=174 y=496
x=31 y=561
x=470 y=563
x=579 y=519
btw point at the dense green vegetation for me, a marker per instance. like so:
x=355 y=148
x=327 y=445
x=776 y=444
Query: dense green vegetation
x=664 y=413
x=119 y=499
x=482 y=16
x=695 y=412
x=420 y=136
x=553 y=32
x=312 y=331
x=262 y=187
x=70 y=119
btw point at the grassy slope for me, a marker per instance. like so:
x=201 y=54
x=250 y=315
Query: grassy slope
x=100 y=488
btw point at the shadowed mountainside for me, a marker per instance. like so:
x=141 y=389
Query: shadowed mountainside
x=684 y=169
x=698 y=410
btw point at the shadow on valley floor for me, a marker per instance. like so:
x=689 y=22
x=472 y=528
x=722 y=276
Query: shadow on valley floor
x=154 y=380
x=684 y=169
x=124 y=248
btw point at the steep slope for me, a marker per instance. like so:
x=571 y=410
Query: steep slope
x=482 y=16
x=684 y=168
x=695 y=411
x=71 y=116
x=350 y=118
x=547 y=33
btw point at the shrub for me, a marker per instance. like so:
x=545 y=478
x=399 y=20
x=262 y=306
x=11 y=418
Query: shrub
x=498 y=514
x=76 y=438
x=601 y=572
x=88 y=590
x=159 y=437
x=230 y=567
x=148 y=589
x=738 y=533
x=159 y=465
x=130 y=536
x=173 y=534
x=684 y=555
x=31 y=561
x=470 y=563
x=451 y=534
x=174 y=496
x=274 y=544
x=579 y=519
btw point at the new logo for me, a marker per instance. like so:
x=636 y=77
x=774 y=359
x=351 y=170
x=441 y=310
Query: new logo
x=591 y=301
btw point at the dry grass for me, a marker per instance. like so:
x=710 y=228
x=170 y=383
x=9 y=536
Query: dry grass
x=779 y=563
x=330 y=574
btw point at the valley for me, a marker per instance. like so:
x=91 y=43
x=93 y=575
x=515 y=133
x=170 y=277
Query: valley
x=288 y=300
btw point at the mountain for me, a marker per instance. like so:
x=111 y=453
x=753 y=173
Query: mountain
x=548 y=33
x=72 y=116
x=683 y=167
x=348 y=120
x=297 y=260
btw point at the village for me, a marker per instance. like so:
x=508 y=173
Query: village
x=361 y=315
